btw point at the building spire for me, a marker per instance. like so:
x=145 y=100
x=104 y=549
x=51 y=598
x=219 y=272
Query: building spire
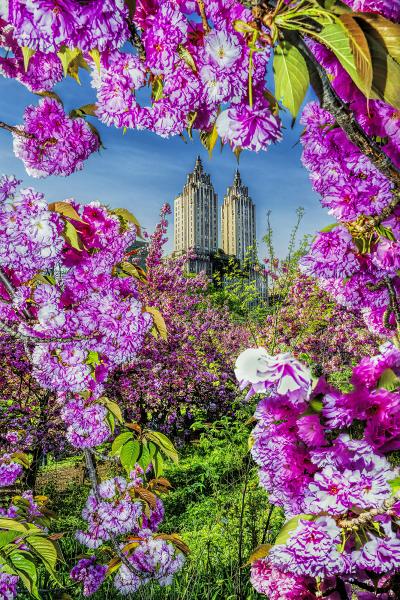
x=237 y=180
x=199 y=165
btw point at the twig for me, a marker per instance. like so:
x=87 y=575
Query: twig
x=136 y=40
x=16 y=131
x=23 y=337
x=394 y=302
x=266 y=528
x=11 y=291
x=368 y=515
x=341 y=589
x=203 y=15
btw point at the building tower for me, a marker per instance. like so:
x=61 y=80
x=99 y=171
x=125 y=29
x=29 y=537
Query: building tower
x=196 y=219
x=238 y=220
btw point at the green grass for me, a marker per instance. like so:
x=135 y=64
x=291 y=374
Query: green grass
x=216 y=505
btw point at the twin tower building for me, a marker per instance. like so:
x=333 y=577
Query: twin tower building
x=196 y=220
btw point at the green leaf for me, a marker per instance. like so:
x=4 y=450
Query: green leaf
x=291 y=526
x=260 y=552
x=336 y=37
x=395 y=485
x=187 y=57
x=113 y=407
x=126 y=215
x=119 y=441
x=84 y=111
x=52 y=95
x=6 y=537
x=329 y=228
x=26 y=569
x=291 y=76
x=13 y=525
x=75 y=64
x=21 y=458
x=66 y=56
x=72 y=237
x=165 y=445
x=192 y=116
x=158 y=463
x=388 y=380
x=243 y=27
x=158 y=321
x=27 y=53
x=157 y=89
x=360 y=49
x=209 y=139
x=144 y=458
x=152 y=449
x=385 y=232
x=111 y=421
x=387 y=31
x=66 y=210
x=314 y=408
x=129 y=455
x=45 y=549
x=133 y=270
x=95 y=54
x=93 y=359
x=386 y=71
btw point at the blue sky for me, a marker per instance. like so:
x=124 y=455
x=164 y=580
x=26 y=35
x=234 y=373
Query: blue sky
x=141 y=171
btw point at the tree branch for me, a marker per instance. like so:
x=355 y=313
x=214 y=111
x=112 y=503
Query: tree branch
x=203 y=15
x=136 y=40
x=23 y=337
x=11 y=291
x=16 y=131
x=368 y=515
x=345 y=119
x=341 y=589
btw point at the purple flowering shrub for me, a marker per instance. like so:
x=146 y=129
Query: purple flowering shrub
x=72 y=316
x=191 y=370
x=311 y=324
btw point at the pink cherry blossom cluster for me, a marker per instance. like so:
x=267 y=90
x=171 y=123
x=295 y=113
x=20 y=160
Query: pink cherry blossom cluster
x=9 y=470
x=353 y=189
x=43 y=71
x=65 y=295
x=52 y=143
x=96 y=311
x=197 y=69
x=197 y=58
x=312 y=465
x=49 y=25
x=114 y=511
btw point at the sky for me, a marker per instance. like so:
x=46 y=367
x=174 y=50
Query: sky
x=141 y=171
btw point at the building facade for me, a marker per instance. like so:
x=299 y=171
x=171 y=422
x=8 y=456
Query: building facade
x=196 y=231
x=196 y=220
x=238 y=220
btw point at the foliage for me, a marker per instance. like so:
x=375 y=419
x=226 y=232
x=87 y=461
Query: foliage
x=192 y=369
x=313 y=327
x=74 y=315
x=242 y=288
x=204 y=504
